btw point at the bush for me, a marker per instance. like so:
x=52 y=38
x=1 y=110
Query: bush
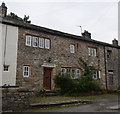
x=71 y=86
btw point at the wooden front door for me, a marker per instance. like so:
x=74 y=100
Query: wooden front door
x=47 y=78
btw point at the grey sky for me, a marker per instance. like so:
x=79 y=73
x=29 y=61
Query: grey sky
x=99 y=18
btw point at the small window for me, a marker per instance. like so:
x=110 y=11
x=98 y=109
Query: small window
x=26 y=71
x=35 y=41
x=47 y=43
x=72 y=48
x=109 y=53
x=96 y=75
x=6 y=67
x=41 y=42
x=77 y=73
x=28 y=40
x=63 y=70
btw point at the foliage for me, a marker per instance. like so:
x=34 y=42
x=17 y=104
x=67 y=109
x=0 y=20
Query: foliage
x=84 y=84
x=41 y=92
x=15 y=17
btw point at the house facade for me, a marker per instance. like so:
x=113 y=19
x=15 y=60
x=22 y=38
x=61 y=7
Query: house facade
x=33 y=55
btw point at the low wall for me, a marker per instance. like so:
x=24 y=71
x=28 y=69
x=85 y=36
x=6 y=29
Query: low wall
x=15 y=99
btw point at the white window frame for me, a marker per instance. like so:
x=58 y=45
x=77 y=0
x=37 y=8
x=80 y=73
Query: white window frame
x=28 y=40
x=41 y=42
x=47 y=44
x=34 y=41
x=6 y=68
x=95 y=52
x=72 y=48
x=26 y=71
x=77 y=74
x=89 y=51
x=63 y=70
x=97 y=74
x=92 y=51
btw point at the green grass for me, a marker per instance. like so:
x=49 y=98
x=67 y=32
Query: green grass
x=55 y=99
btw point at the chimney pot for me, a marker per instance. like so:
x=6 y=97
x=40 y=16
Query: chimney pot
x=3 y=10
x=115 y=42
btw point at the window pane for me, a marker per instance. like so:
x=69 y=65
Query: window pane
x=41 y=42
x=47 y=43
x=35 y=41
x=95 y=52
x=89 y=52
x=28 y=40
x=72 y=48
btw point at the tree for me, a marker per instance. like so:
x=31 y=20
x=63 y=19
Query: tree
x=15 y=17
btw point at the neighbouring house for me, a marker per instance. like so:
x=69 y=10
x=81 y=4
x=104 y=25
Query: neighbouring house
x=33 y=55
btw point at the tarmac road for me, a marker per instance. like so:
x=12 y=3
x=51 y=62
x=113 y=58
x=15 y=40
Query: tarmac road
x=105 y=105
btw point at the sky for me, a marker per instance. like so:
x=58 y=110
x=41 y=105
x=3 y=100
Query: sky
x=99 y=17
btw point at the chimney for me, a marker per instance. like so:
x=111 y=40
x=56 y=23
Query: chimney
x=3 y=10
x=115 y=42
x=86 y=34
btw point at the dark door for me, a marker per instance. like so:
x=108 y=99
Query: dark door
x=47 y=78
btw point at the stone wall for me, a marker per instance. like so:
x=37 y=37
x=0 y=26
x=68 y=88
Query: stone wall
x=15 y=99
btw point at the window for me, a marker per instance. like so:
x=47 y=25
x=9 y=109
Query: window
x=6 y=67
x=72 y=48
x=92 y=51
x=41 y=42
x=26 y=71
x=109 y=53
x=35 y=41
x=77 y=73
x=96 y=75
x=47 y=43
x=74 y=73
x=63 y=70
x=28 y=40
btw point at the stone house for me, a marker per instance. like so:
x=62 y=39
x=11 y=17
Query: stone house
x=33 y=55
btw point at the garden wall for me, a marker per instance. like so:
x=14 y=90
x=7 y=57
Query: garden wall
x=15 y=99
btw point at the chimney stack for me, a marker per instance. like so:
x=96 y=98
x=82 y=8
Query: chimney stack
x=115 y=42
x=86 y=34
x=3 y=10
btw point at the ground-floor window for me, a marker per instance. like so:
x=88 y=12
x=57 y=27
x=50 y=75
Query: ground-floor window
x=74 y=72
x=96 y=75
x=5 y=67
x=26 y=71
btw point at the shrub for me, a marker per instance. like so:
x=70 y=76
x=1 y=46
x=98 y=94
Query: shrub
x=84 y=84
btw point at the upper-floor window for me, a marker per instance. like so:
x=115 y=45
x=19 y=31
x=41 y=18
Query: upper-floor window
x=28 y=40
x=26 y=71
x=41 y=42
x=92 y=51
x=35 y=41
x=109 y=53
x=72 y=48
x=47 y=43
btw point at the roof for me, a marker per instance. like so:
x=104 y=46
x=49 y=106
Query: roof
x=51 y=31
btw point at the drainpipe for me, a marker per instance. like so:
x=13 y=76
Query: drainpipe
x=4 y=54
x=105 y=69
